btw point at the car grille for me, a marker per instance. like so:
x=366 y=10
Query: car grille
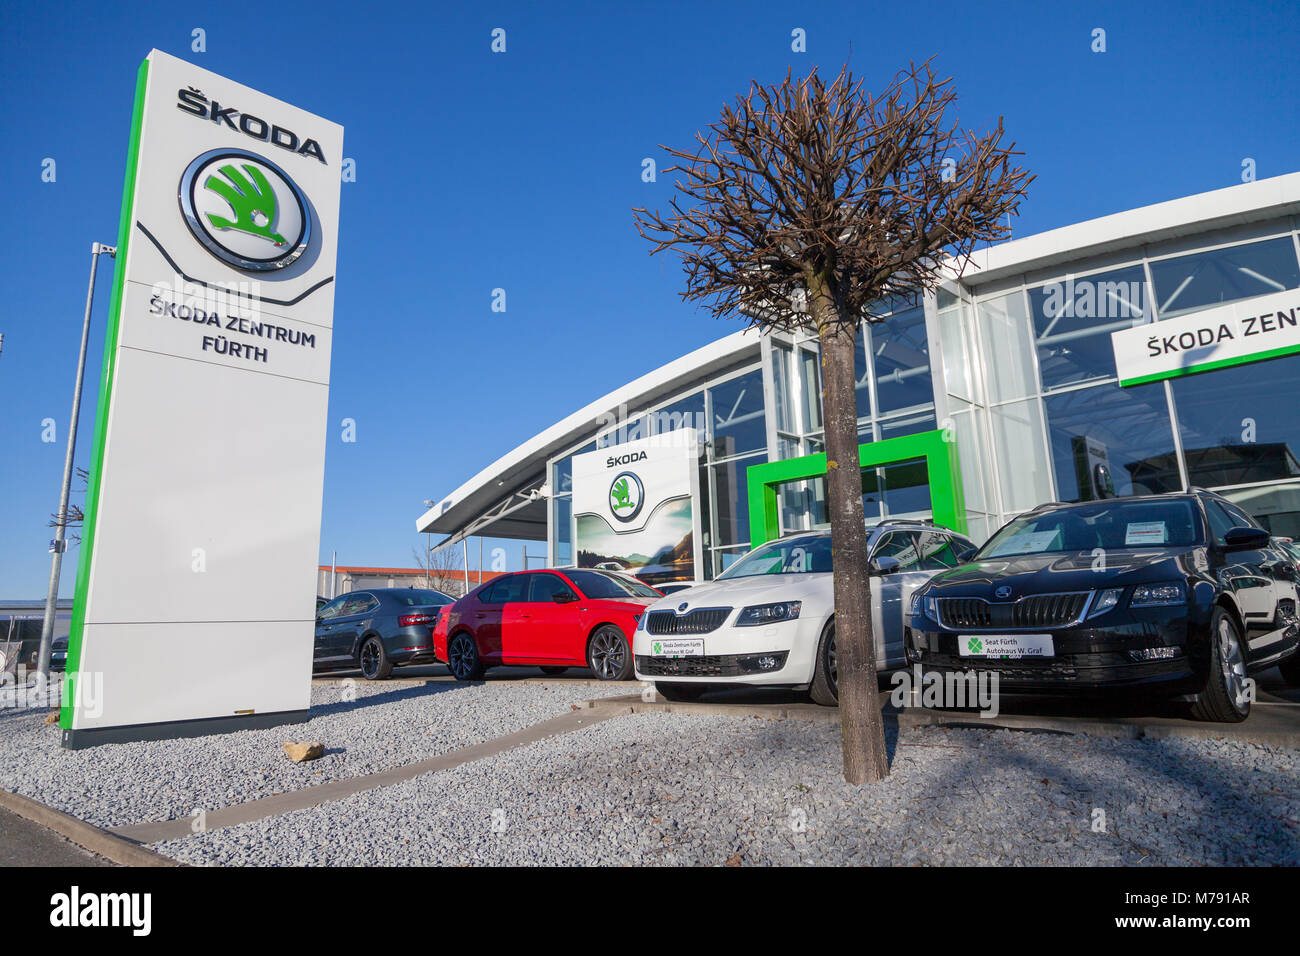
x=700 y=621
x=1037 y=610
x=716 y=665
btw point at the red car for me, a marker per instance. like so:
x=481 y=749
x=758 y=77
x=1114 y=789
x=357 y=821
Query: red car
x=551 y=619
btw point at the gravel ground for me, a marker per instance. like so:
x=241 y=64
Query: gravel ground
x=684 y=789
x=389 y=724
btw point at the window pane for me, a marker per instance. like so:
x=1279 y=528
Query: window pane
x=1004 y=326
x=956 y=369
x=684 y=413
x=1206 y=279
x=631 y=430
x=562 y=528
x=739 y=424
x=1236 y=424
x=937 y=551
x=782 y=388
x=1110 y=441
x=862 y=374
x=812 y=389
x=1073 y=320
x=901 y=352
x=1021 y=456
x=733 y=501
x=897 y=491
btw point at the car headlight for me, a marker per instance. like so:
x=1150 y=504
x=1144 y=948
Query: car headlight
x=768 y=613
x=1105 y=601
x=640 y=620
x=927 y=606
x=1157 y=595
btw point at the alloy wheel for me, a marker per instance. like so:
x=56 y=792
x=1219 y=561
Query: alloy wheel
x=460 y=656
x=608 y=656
x=1234 y=665
x=370 y=658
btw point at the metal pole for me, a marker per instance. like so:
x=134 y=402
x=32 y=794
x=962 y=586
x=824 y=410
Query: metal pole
x=61 y=519
x=334 y=576
x=464 y=553
x=480 y=559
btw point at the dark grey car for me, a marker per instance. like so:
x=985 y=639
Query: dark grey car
x=378 y=629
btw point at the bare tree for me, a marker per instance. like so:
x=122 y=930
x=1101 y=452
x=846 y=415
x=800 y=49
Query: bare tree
x=810 y=206
x=74 y=517
x=442 y=571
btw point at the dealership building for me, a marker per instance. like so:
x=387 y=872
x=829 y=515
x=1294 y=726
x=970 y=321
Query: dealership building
x=1142 y=352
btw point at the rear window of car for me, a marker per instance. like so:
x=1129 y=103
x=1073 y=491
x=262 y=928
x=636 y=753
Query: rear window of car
x=417 y=597
x=510 y=588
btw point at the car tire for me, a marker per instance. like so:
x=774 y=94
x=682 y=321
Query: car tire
x=463 y=658
x=608 y=654
x=552 y=671
x=373 y=659
x=825 y=687
x=1290 y=669
x=682 y=693
x=1221 y=699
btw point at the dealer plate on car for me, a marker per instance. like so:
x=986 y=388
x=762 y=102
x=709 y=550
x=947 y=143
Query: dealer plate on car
x=678 y=647
x=1006 y=645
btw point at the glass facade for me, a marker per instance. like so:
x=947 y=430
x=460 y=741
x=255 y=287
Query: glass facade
x=1021 y=372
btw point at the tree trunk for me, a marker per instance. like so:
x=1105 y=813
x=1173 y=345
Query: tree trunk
x=862 y=730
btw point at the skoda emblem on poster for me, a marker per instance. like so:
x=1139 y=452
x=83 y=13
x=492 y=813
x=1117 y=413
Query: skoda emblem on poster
x=626 y=495
x=245 y=210
x=643 y=522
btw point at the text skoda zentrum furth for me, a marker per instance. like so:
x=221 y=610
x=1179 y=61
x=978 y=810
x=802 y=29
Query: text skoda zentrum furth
x=1181 y=594
x=769 y=619
x=549 y=619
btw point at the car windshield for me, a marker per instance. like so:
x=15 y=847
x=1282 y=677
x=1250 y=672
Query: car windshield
x=417 y=597
x=790 y=556
x=594 y=584
x=1103 y=524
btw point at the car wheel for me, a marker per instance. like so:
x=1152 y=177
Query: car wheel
x=375 y=664
x=1290 y=669
x=554 y=670
x=1223 y=698
x=825 y=684
x=680 y=692
x=608 y=655
x=462 y=657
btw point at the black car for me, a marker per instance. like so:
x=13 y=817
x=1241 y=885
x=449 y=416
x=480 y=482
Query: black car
x=1179 y=594
x=378 y=629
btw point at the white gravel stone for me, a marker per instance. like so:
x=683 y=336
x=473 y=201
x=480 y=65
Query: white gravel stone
x=389 y=724
x=683 y=789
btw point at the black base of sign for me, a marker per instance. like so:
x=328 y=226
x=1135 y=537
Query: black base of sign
x=172 y=729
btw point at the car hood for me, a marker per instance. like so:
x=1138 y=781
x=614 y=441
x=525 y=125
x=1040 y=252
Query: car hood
x=757 y=589
x=1069 y=571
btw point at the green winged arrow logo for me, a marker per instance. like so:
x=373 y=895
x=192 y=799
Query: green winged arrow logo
x=251 y=199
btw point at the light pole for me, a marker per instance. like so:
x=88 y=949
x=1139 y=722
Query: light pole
x=60 y=543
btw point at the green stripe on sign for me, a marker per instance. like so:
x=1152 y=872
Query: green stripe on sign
x=105 y=393
x=1281 y=352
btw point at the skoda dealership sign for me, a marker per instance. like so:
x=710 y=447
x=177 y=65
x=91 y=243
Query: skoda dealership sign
x=635 y=508
x=1249 y=330
x=245 y=209
x=195 y=600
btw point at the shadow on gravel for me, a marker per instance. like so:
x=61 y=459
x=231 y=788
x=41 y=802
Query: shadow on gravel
x=1204 y=812
x=385 y=697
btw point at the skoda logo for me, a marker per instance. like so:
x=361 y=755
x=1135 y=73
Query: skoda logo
x=1003 y=592
x=681 y=607
x=626 y=496
x=245 y=210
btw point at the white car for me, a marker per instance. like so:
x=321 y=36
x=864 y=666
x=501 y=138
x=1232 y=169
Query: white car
x=769 y=619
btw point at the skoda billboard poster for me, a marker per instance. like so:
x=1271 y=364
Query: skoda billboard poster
x=678 y=436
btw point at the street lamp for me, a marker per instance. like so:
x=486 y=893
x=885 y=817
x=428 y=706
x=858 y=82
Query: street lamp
x=60 y=544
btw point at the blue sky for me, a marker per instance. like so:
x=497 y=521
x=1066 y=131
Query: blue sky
x=519 y=170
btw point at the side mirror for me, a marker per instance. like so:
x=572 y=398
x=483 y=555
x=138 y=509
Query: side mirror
x=564 y=597
x=1245 y=539
x=883 y=565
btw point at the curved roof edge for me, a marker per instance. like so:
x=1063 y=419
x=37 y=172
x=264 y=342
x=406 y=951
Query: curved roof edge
x=517 y=467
